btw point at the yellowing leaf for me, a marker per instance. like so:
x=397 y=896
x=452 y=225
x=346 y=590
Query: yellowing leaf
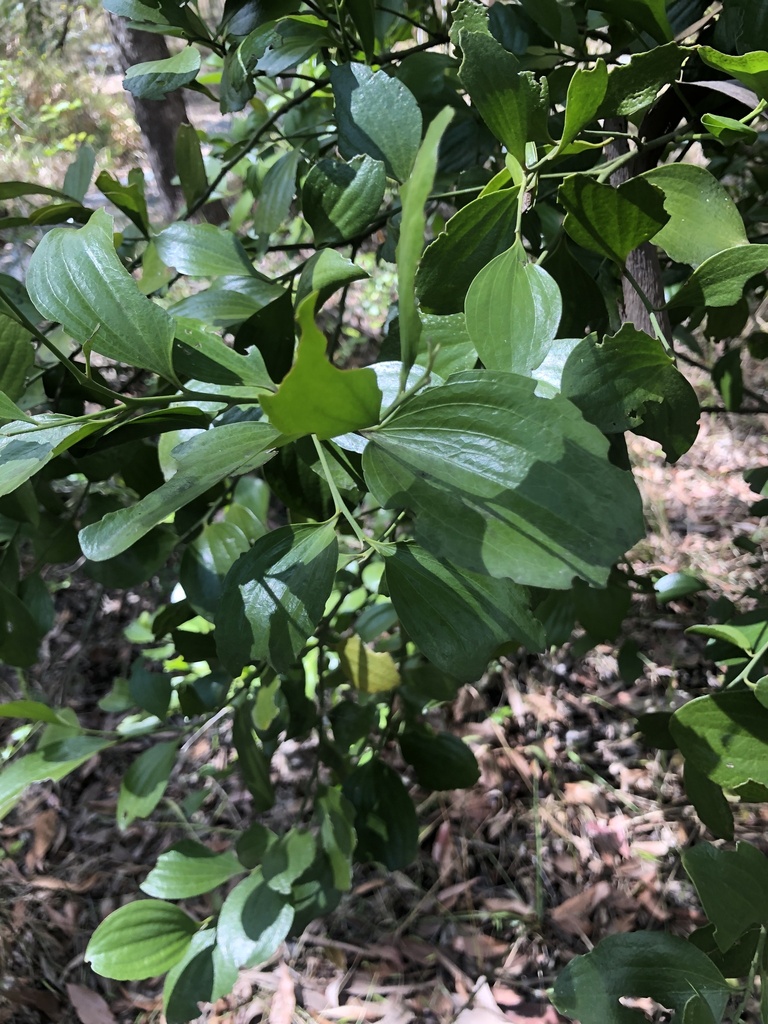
x=368 y=671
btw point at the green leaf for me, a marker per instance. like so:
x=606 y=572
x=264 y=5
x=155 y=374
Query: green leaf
x=629 y=382
x=150 y=690
x=749 y=68
x=337 y=834
x=79 y=173
x=632 y=87
x=201 y=250
x=53 y=762
x=720 y=280
x=736 y=962
x=444 y=344
x=725 y=736
x=441 y=761
x=286 y=860
x=201 y=976
x=253 y=921
x=17 y=357
x=189 y=161
x=611 y=221
x=385 y=818
x=732 y=886
x=644 y=964
x=274 y=596
x=277 y=192
x=76 y=279
x=480 y=231
x=229 y=300
x=709 y=801
x=189 y=869
x=729 y=634
x=207 y=561
x=316 y=397
x=703 y=219
x=513 y=310
x=145 y=782
x=513 y=103
x=203 y=461
x=675 y=585
x=505 y=483
x=140 y=940
x=368 y=671
x=129 y=198
x=24 y=449
x=154 y=79
x=32 y=711
x=252 y=762
x=586 y=92
x=414 y=194
x=362 y=13
x=458 y=619
x=728 y=130
x=204 y=356
x=376 y=115
x=325 y=272
x=340 y=200
x=648 y=15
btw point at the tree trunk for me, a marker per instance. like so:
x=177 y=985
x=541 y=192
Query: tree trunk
x=158 y=120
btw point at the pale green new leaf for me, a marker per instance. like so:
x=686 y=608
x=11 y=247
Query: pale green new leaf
x=505 y=483
x=749 y=68
x=720 y=280
x=513 y=310
x=586 y=92
x=140 y=940
x=76 y=279
x=207 y=458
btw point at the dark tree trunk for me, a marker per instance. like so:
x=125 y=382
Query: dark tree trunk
x=158 y=120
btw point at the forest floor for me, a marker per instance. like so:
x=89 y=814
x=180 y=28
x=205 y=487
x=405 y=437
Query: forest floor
x=573 y=832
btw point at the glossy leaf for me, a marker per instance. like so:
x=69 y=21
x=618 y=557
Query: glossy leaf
x=325 y=273
x=277 y=192
x=202 y=462
x=378 y=116
x=53 y=761
x=253 y=921
x=728 y=130
x=611 y=221
x=441 y=761
x=732 y=886
x=189 y=869
x=629 y=382
x=140 y=940
x=445 y=345
x=414 y=194
x=513 y=310
x=341 y=199
x=720 y=280
x=145 y=782
x=586 y=92
x=128 y=198
x=274 y=596
x=480 y=231
x=25 y=449
x=458 y=619
x=229 y=300
x=201 y=250
x=513 y=103
x=505 y=483
x=675 y=585
x=76 y=279
x=316 y=397
x=252 y=762
x=644 y=964
x=286 y=860
x=189 y=161
x=703 y=219
x=385 y=818
x=368 y=671
x=633 y=86
x=725 y=736
x=154 y=79
x=207 y=561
